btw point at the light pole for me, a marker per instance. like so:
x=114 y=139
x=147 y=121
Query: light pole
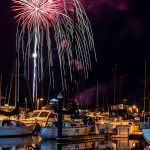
x=39 y=101
x=60 y=102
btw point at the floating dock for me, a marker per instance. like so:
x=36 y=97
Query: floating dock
x=110 y=136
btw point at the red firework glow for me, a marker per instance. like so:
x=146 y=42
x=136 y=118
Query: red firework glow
x=38 y=12
x=78 y=64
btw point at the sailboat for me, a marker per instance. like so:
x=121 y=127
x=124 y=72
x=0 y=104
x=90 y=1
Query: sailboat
x=14 y=127
x=69 y=129
x=7 y=109
x=146 y=129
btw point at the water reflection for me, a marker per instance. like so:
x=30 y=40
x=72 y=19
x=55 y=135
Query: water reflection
x=36 y=143
x=120 y=144
x=45 y=145
x=20 y=143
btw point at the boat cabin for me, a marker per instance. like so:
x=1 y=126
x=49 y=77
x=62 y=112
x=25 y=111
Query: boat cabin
x=66 y=124
x=10 y=123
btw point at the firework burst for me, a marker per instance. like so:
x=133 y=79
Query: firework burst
x=68 y=21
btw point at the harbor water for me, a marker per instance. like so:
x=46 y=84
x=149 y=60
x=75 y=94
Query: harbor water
x=37 y=143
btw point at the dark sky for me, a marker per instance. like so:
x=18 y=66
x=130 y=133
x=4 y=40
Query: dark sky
x=122 y=34
x=121 y=31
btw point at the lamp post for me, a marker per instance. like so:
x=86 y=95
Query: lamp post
x=39 y=100
x=60 y=102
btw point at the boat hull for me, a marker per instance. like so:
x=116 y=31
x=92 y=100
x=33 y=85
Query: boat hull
x=146 y=134
x=51 y=132
x=7 y=131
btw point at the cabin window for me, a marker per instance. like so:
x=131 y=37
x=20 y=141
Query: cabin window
x=63 y=125
x=6 y=123
x=73 y=125
x=52 y=115
x=35 y=114
x=55 y=124
x=43 y=114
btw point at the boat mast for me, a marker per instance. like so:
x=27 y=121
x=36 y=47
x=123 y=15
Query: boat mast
x=97 y=95
x=11 y=83
x=145 y=80
x=115 y=85
x=0 y=89
x=17 y=70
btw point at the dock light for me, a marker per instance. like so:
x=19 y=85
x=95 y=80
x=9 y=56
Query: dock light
x=41 y=99
x=134 y=144
x=60 y=102
x=54 y=100
x=134 y=106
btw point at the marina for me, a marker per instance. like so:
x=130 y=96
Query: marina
x=89 y=130
x=74 y=75
x=53 y=126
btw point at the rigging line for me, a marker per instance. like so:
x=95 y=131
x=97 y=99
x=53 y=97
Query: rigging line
x=10 y=89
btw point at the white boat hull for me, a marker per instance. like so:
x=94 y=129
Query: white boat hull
x=51 y=132
x=146 y=134
x=16 y=131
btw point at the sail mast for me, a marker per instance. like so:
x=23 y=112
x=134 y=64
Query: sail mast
x=18 y=84
x=115 y=85
x=145 y=80
x=97 y=94
x=0 y=89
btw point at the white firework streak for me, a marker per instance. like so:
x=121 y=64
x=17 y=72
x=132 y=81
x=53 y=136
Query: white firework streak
x=69 y=22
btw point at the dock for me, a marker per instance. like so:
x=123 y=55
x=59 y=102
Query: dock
x=110 y=136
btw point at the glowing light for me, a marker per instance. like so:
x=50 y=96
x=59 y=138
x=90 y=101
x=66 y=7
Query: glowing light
x=134 y=106
x=62 y=21
x=34 y=55
x=41 y=99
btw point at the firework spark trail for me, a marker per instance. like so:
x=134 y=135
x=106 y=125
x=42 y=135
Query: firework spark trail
x=35 y=65
x=68 y=20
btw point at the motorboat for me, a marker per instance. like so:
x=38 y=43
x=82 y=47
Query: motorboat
x=15 y=128
x=110 y=124
x=41 y=117
x=69 y=129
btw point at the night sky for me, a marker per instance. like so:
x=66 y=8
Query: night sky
x=121 y=32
